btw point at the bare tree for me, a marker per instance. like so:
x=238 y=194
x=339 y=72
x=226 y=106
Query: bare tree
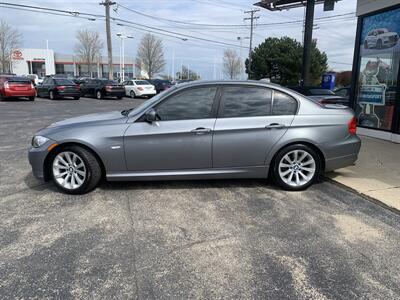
x=232 y=63
x=10 y=40
x=88 y=47
x=151 y=54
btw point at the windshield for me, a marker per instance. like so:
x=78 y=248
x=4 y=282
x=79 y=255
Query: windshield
x=321 y=92
x=141 y=82
x=109 y=82
x=64 y=82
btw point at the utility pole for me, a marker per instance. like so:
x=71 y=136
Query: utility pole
x=251 y=18
x=308 y=29
x=107 y=4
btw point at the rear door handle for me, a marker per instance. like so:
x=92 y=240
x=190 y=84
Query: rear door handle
x=275 y=125
x=201 y=130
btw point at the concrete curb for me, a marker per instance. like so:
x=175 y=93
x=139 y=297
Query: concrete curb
x=369 y=198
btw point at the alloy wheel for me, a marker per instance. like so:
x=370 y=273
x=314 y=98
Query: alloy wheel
x=297 y=168
x=69 y=170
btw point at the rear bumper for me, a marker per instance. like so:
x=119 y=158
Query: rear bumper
x=30 y=93
x=69 y=94
x=341 y=154
x=146 y=93
x=114 y=94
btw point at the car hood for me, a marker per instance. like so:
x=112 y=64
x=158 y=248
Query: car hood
x=114 y=116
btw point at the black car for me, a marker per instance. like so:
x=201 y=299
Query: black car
x=343 y=92
x=320 y=95
x=160 y=84
x=56 y=88
x=101 y=88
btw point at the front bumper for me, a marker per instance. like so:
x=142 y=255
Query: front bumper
x=37 y=158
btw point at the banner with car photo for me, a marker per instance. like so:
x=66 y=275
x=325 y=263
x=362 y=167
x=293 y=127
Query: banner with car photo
x=379 y=65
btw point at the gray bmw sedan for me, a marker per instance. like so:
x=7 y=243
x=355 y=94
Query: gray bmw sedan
x=200 y=130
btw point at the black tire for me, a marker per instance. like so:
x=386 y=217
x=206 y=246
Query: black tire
x=365 y=45
x=77 y=98
x=379 y=44
x=2 y=98
x=132 y=94
x=52 y=95
x=99 y=95
x=93 y=171
x=119 y=97
x=279 y=156
x=31 y=98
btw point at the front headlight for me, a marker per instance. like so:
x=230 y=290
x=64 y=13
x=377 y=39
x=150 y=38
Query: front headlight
x=38 y=141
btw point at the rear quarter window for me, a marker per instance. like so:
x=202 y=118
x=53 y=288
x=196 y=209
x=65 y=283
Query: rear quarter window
x=283 y=104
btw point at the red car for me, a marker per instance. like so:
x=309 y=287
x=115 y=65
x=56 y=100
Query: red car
x=12 y=86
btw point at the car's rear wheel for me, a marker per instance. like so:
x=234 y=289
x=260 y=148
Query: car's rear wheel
x=132 y=94
x=296 y=167
x=76 y=98
x=379 y=44
x=365 y=45
x=75 y=170
x=31 y=98
x=119 y=97
x=99 y=95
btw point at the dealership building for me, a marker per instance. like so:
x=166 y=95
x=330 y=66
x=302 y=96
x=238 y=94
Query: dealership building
x=375 y=89
x=47 y=62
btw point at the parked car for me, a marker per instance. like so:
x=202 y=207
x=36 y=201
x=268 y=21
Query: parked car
x=101 y=88
x=202 y=130
x=56 y=88
x=35 y=78
x=160 y=84
x=139 y=88
x=320 y=95
x=343 y=92
x=15 y=87
x=380 y=38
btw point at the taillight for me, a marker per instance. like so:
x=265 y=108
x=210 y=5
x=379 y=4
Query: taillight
x=108 y=88
x=6 y=85
x=78 y=87
x=353 y=126
x=61 y=87
x=140 y=88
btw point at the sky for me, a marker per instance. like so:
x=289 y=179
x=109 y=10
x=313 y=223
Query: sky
x=335 y=37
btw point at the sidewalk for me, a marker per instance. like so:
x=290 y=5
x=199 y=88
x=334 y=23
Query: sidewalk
x=376 y=173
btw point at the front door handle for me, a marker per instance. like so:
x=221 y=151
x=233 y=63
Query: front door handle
x=201 y=130
x=275 y=125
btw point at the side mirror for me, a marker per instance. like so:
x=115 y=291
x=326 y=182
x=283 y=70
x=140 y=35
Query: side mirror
x=151 y=116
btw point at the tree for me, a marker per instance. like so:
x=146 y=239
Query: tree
x=187 y=74
x=151 y=54
x=232 y=63
x=10 y=40
x=343 y=78
x=280 y=59
x=88 y=47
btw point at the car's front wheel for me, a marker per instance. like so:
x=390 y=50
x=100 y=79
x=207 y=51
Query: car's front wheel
x=75 y=170
x=52 y=95
x=296 y=167
x=99 y=95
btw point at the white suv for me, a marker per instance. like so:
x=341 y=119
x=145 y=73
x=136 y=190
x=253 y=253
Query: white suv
x=380 y=38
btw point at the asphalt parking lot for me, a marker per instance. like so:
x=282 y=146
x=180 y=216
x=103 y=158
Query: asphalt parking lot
x=181 y=239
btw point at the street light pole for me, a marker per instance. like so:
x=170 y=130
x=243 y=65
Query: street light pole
x=122 y=54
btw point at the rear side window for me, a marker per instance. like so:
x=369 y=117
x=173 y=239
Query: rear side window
x=283 y=104
x=142 y=82
x=246 y=101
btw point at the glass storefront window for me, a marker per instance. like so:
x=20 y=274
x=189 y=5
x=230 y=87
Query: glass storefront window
x=378 y=70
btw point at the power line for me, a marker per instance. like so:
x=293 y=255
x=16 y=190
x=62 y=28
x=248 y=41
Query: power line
x=76 y=13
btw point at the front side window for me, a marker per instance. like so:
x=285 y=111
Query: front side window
x=244 y=101
x=194 y=103
x=283 y=104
